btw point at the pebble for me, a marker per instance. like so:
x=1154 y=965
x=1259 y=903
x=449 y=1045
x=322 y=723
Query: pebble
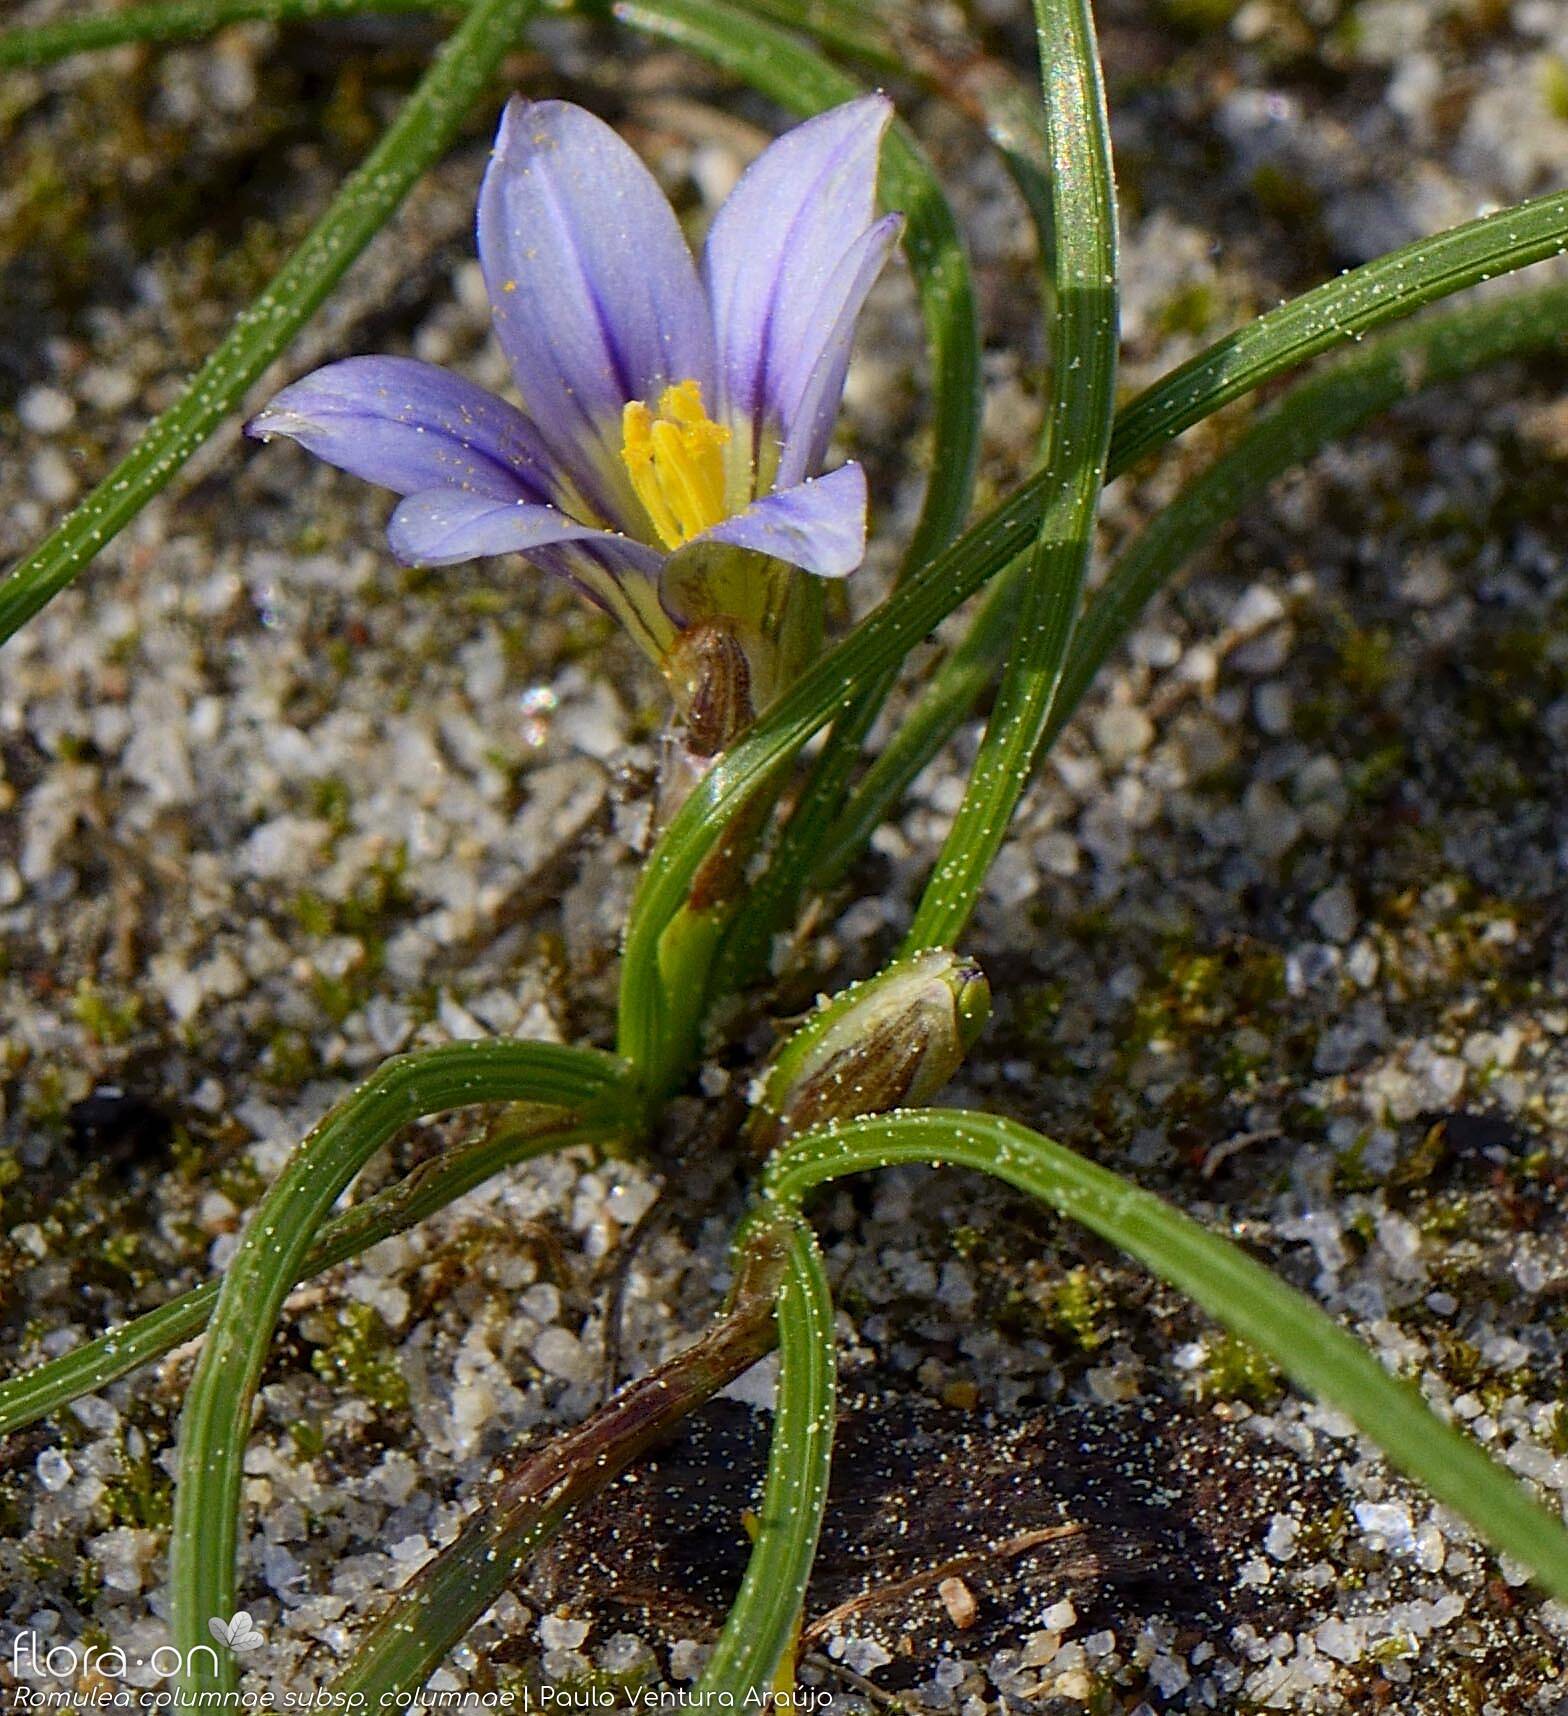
x=1333 y=912
x=561 y=1632
x=45 y=410
x=53 y=1469
x=559 y=1352
x=1121 y=733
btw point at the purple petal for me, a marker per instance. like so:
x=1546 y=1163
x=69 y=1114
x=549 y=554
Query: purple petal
x=776 y=246
x=819 y=525
x=443 y=526
x=808 y=428
x=595 y=296
x=410 y=426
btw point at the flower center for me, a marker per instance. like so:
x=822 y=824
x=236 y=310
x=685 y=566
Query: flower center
x=676 y=461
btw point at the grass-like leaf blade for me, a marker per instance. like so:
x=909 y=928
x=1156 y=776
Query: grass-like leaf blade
x=269 y=1258
x=1308 y=1345
x=1316 y=412
x=429 y=119
x=1512 y=238
x=431 y=1186
x=759 y=1628
x=1080 y=409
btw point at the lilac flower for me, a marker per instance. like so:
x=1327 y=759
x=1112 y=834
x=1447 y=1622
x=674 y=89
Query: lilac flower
x=674 y=420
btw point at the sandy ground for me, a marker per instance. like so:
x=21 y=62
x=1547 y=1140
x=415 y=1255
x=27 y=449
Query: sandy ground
x=1278 y=930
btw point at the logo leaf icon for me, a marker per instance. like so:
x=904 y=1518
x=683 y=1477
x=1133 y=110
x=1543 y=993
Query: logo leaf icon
x=239 y=1632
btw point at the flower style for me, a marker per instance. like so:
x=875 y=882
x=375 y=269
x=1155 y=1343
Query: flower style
x=674 y=421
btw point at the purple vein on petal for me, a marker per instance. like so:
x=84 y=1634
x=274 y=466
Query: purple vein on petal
x=811 y=414
x=595 y=295
x=778 y=237
x=407 y=426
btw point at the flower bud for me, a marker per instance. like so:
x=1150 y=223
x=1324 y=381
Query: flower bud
x=891 y=1041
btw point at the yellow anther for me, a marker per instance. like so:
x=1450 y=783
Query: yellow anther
x=676 y=463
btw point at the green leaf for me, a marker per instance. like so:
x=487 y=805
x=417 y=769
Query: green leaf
x=430 y=1187
x=944 y=703
x=760 y=1627
x=845 y=28
x=182 y=21
x=1080 y=409
x=1306 y=1344
x=1315 y=413
x=416 y=138
x=1337 y=312
x=1345 y=309
x=270 y=1257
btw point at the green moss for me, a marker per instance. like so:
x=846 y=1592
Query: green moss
x=1362 y=1225
x=1351 y=1174
x=313 y=914
x=308 y=1437
x=240 y=1181
x=1200 y=17
x=49 y=1092
x=120 y=1249
x=359 y=1355
x=1366 y=660
x=331 y=800
x=379 y=899
x=590 y=1690
x=1447 y=1217
x=1033 y=1013
x=289 y=1059
x=966 y=1241
x=1459 y=1360
x=88 y=1586
x=1419 y=1163
x=1190 y=309
x=1320 y=1536
x=1077 y=1309
x=1371 y=776
x=380 y=896
x=1202 y=999
x=1557 y=1429
x=235 y=269
x=337 y=997
x=140 y=1494
x=1285 y=196
x=105 y=1019
x=1235 y=1370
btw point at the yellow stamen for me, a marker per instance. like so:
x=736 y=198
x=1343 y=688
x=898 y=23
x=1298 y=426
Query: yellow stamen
x=676 y=463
